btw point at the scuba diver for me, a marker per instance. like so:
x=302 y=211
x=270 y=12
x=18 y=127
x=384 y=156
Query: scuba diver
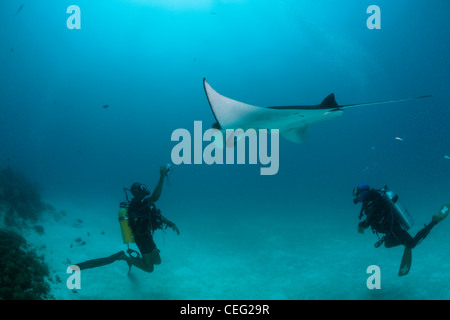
x=139 y=218
x=144 y=219
x=385 y=215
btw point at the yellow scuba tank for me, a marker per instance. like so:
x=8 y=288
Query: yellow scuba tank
x=127 y=233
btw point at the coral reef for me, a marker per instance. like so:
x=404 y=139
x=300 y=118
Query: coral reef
x=22 y=271
x=39 y=229
x=19 y=198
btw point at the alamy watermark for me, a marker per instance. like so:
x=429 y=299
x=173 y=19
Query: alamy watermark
x=74 y=20
x=374 y=280
x=374 y=21
x=74 y=280
x=227 y=149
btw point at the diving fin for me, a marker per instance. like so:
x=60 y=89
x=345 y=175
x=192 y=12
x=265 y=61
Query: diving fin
x=405 y=265
x=101 y=261
x=130 y=253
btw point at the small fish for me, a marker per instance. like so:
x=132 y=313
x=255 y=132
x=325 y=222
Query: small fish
x=447 y=157
x=398 y=138
x=105 y=106
x=20 y=9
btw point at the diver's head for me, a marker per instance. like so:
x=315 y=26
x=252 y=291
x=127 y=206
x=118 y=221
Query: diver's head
x=360 y=192
x=139 y=190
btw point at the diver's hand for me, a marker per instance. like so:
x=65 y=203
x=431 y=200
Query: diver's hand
x=164 y=171
x=175 y=228
x=172 y=226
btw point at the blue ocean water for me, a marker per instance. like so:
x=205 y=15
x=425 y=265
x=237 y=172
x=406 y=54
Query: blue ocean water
x=86 y=112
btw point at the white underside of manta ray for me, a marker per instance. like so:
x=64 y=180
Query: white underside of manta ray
x=291 y=121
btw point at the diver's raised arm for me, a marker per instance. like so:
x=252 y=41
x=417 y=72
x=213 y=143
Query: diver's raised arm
x=157 y=192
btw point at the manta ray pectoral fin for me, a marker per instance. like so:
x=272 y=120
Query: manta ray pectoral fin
x=230 y=113
x=296 y=135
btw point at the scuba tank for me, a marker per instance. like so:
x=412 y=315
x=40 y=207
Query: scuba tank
x=400 y=212
x=127 y=233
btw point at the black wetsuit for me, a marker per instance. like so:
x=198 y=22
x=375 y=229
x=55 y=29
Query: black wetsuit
x=144 y=219
x=381 y=219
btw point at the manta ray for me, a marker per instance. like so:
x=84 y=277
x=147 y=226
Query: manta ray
x=291 y=121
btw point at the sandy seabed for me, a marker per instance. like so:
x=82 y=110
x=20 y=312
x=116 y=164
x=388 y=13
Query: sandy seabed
x=264 y=259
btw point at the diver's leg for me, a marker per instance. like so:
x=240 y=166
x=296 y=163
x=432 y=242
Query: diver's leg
x=153 y=257
x=147 y=262
x=395 y=237
x=150 y=254
x=406 y=239
x=423 y=233
x=426 y=230
x=142 y=263
x=401 y=236
x=391 y=241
